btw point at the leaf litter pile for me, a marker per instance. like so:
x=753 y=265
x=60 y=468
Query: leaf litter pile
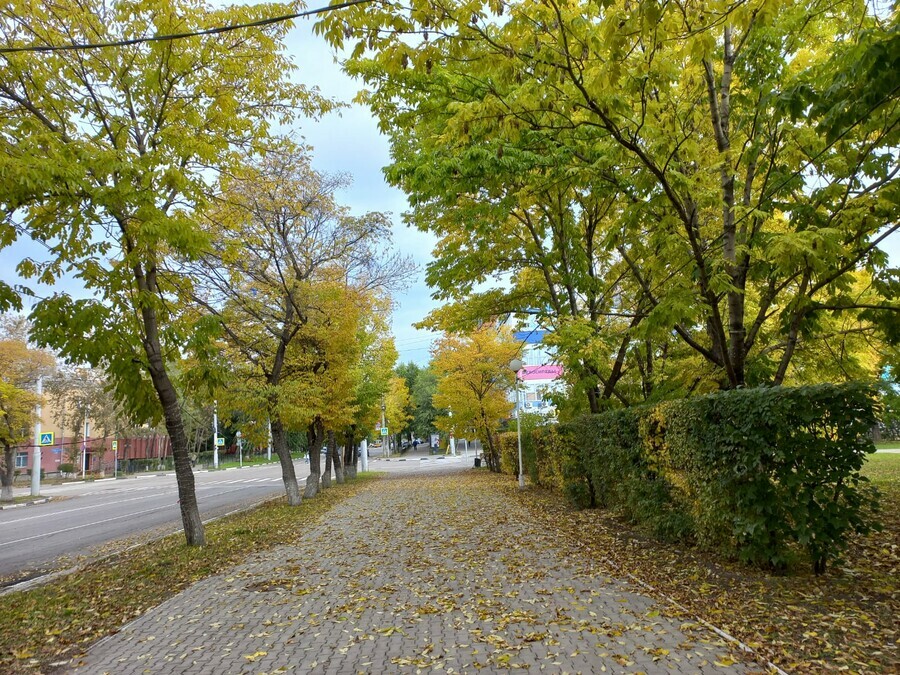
x=438 y=573
x=846 y=620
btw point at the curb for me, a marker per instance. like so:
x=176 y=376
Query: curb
x=40 y=500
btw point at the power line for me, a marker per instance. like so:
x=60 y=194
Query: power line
x=179 y=36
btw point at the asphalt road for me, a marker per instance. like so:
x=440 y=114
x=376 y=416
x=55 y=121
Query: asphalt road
x=86 y=520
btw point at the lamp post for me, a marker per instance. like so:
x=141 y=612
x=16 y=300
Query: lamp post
x=87 y=430
x=451 y=448
x=215 y=434
x=240 y=450
x=516 y=365
x=384 y=438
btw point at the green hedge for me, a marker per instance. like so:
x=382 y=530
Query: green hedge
x=754 y=472
x=551 y=460
x=508 y=443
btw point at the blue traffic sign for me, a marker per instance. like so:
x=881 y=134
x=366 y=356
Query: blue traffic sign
x=47 y=438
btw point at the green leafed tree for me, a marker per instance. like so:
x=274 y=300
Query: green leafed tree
x=282 y=250
x=108 y=157
x=668 y=186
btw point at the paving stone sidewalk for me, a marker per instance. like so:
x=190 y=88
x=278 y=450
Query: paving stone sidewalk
x=415 y=574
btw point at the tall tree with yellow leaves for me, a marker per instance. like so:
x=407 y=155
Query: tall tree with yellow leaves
x=474 y=380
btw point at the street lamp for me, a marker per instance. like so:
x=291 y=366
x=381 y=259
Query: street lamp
x=451 y=447
x=240 y=450
x=215 y=434
x=385 y=439
x=516 y=365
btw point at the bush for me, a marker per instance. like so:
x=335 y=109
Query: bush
x=67 y=468
x=508 y=443
x=752 y=472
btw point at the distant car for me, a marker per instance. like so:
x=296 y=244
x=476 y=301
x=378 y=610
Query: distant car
x=404 y=445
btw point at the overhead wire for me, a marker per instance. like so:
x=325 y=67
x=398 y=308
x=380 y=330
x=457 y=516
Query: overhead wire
x=180 y=36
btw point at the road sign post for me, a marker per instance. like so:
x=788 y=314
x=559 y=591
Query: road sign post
x=39 y=437
x=115 y=449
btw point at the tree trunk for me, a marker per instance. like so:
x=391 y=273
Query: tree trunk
x=326 y=477
x=288 y=475
x=493 y=459
x=8 y=475
x=350 y=454
x=315 y=434
x=168 y=397
x=335 y=458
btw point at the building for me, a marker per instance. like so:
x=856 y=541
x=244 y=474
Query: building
x=97 y=455
x=539 y=375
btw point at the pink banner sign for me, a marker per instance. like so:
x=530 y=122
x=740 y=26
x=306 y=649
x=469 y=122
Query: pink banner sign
x=540 y=372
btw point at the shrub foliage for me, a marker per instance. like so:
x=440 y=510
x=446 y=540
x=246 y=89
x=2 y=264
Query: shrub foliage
x=752 y=472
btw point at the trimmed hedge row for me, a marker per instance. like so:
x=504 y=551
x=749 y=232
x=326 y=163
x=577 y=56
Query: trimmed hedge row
x=755 y=473
x=552 y=460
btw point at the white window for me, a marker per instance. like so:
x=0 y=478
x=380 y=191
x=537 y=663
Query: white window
x=21 y=460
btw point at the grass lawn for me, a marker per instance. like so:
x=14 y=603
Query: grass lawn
x=50 y=625
x=888 y=445
x=884 y=471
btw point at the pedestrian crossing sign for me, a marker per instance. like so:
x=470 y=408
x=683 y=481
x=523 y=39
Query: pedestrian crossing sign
x=47 y=438
x=220 y=441
x=384 y=431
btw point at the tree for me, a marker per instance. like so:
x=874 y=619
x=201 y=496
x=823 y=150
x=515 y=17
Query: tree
x=670 y=144
x=20 y=367
x=474 y=380
x=110 y=155
x=282 y=249
x=422 y=395
x=421 y=383
x=371 y=374
x=397 y=405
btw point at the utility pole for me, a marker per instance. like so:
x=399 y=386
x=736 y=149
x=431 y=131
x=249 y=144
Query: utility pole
x=215 y=434
x=269 y=453
x=36 y=455
x=87 y=429
x=385 y=440
x=451 y=447
x=516 y=365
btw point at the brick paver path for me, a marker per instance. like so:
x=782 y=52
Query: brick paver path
x=428 y=573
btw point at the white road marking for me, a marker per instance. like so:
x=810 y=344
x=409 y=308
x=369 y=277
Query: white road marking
x=92 y=524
